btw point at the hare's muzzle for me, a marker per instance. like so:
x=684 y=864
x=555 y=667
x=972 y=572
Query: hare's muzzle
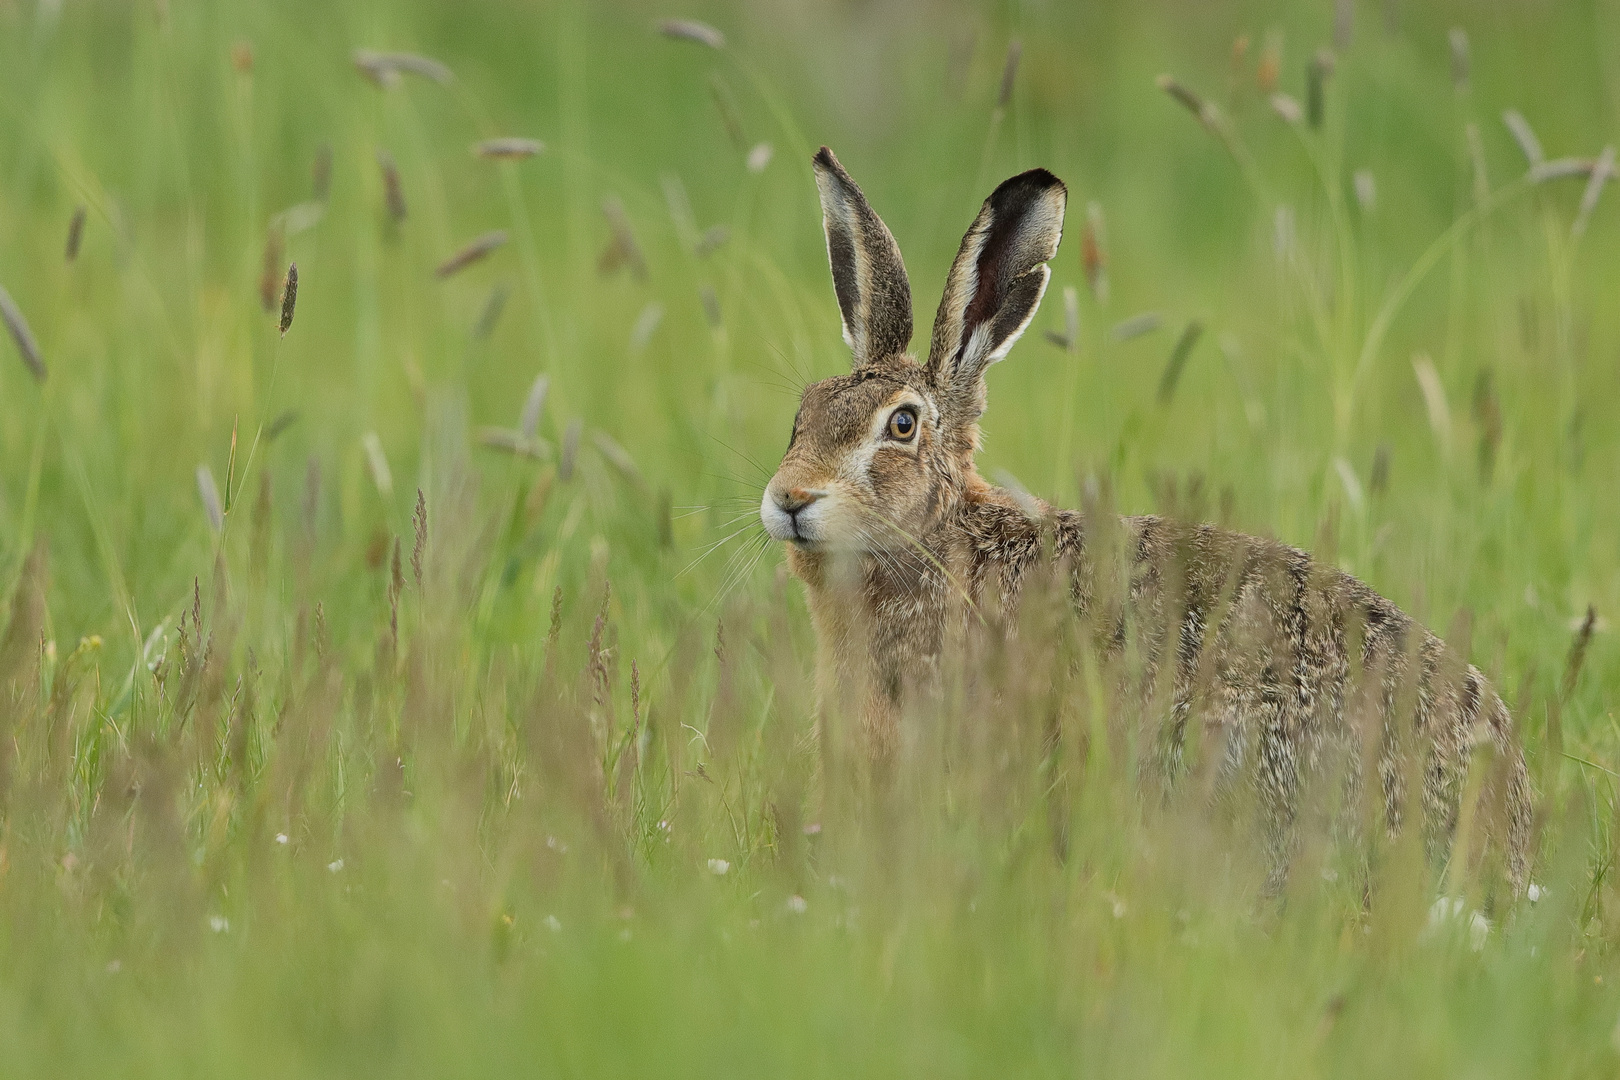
x=793 y=513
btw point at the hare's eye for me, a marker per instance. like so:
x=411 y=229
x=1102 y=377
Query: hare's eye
x=903 y=424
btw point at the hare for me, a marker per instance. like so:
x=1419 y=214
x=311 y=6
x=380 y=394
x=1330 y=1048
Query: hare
x=900 y=544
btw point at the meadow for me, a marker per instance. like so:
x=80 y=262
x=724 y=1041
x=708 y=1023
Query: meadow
x=399 y=682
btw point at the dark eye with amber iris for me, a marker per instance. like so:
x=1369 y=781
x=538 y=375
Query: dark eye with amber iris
x=903 y=425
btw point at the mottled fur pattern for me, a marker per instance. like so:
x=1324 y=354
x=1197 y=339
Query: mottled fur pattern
x=1297 y=668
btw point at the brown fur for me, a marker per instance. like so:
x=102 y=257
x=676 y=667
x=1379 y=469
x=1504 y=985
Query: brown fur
x=903 y=548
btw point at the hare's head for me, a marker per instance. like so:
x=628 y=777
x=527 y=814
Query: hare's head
x=879 y=456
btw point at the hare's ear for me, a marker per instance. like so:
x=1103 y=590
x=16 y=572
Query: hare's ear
x=996 y=282
x=874 y=296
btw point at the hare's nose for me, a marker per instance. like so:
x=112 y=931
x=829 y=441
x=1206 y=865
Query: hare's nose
x=795 y=499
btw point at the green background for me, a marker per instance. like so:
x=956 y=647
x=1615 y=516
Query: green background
x=130 y=822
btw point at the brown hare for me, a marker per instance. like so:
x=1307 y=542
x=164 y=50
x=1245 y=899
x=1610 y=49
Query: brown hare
x=902 y=545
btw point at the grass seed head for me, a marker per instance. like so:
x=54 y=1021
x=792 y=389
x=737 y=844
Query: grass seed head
x=1136 y=326
x=419 y=522
x=75 y=234
x=393 y=190
x=470 y=254
x=27 y=346
x=713 y=239
x=378 y=462
x=618 y=457
x=1525 y=136
x=692 y=30
x=289 y=298
x=1366 y=186
x=730 y=115
x=1601 y=172
x=622 y=249
x=385 y=68
x=1269 y=69
x=1178 y=360
x=646 y=325
x=711 y=306
x=529 y=422
x=508 y=149
x=494 y=304
x=570 y=449
x=208 y=491
x=1316 y=77
x=1287 y=108
x=1459 y=58
x=1344 y=23
x=320 y=173
x=760 y=156
x=1094 y=252
x=286 y=419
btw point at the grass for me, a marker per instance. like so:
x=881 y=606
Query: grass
x=533 y=785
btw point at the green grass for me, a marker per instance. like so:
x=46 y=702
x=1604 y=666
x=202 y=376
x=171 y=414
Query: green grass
x=267 y=807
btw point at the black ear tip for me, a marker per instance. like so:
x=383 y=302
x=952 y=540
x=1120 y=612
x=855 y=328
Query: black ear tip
x=1033 y=181
x=1022 y=190
x=1046 y=179
x=824 y=158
